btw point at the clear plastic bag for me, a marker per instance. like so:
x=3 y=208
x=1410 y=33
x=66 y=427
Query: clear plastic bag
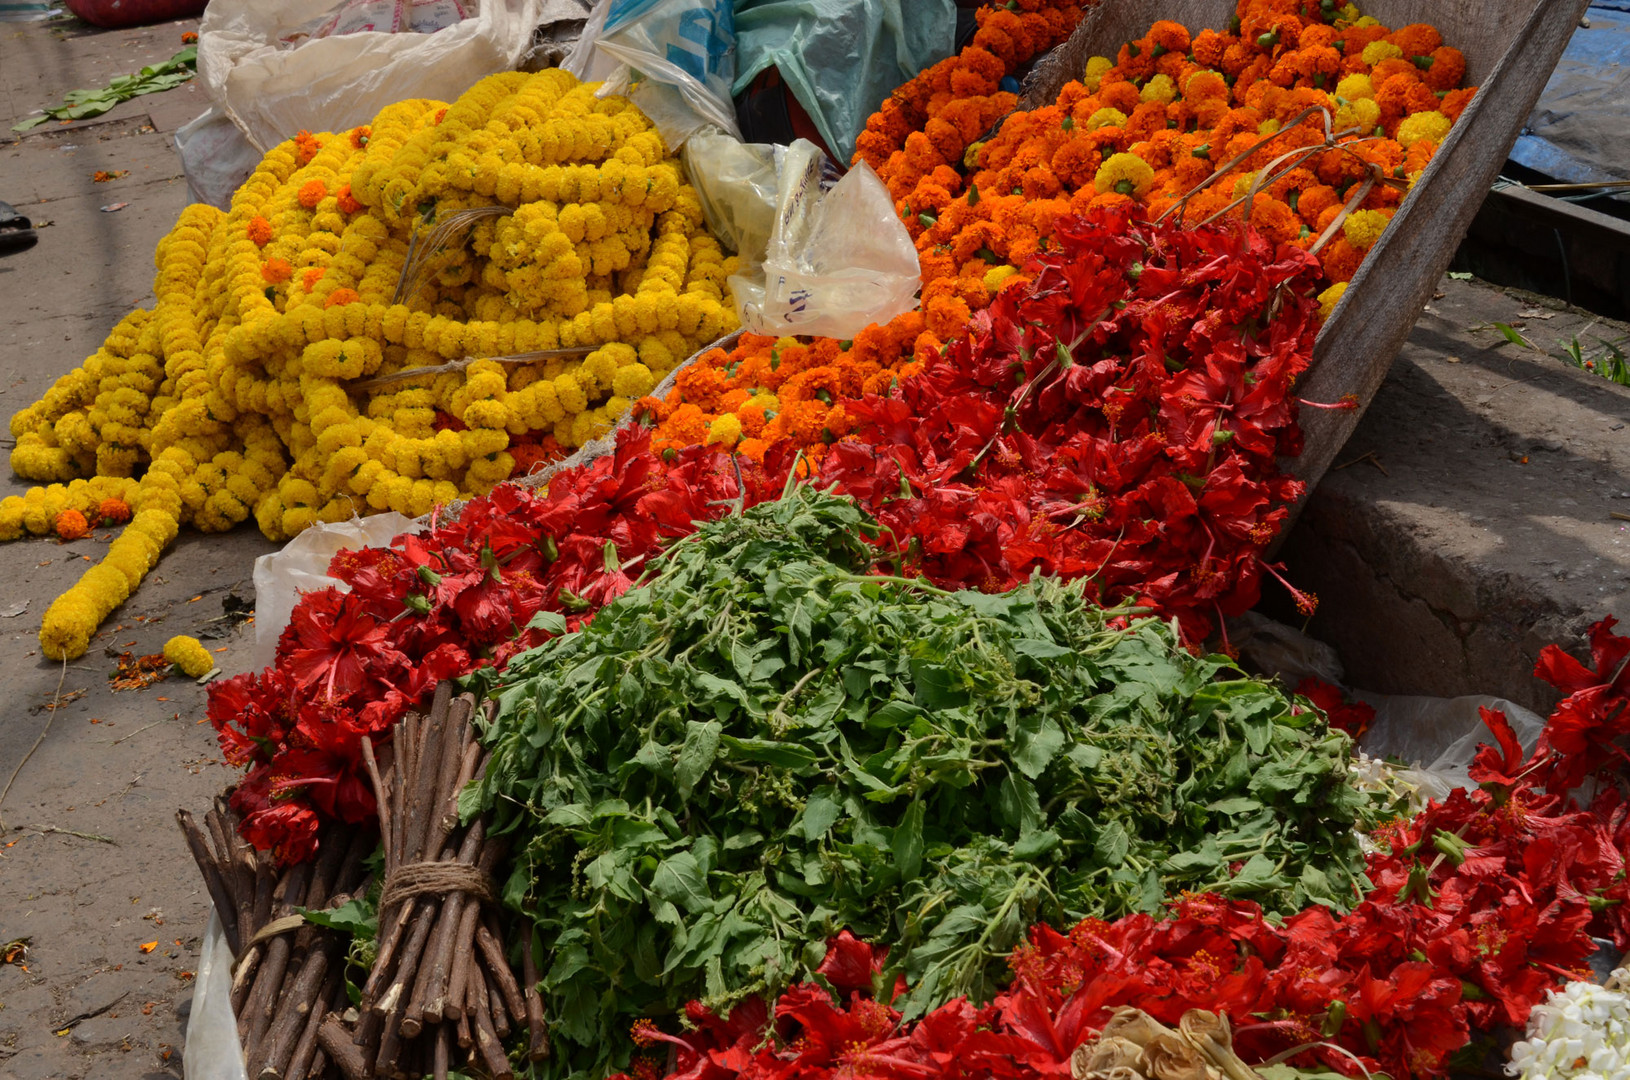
x=213 y=1051
x=838 y=259
x=736 y=183
x=302 y=566
x=675 y=59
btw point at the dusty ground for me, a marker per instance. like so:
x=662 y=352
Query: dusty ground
x=1502 y=468
x=92 y=866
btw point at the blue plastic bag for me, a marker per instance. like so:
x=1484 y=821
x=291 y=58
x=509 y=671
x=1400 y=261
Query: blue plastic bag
x=841 y=58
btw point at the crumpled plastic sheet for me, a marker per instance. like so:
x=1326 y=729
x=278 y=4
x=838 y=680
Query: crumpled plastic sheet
x=1579 y=131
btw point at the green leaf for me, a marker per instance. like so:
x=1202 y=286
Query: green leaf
x=680 y=881
x=908 y=842
x=821 y=811
x=1035 y=845
x=552 y=622
x=356 y=917
x=784 y=755
x=1035 y=741
x=1113 y=845
x=696 y=755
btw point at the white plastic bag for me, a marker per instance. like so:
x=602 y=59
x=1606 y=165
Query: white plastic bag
x=302 y=566
x=1440 y=736
x=687 y=47
x=338 y=82
x=838 y=259
x=213 y=1051
x=216 y=157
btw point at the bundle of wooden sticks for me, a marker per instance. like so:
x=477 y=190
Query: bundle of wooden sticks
x=288 y=974
x=441 y=988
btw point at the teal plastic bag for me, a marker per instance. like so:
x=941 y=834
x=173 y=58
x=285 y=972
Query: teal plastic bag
x=841 y=58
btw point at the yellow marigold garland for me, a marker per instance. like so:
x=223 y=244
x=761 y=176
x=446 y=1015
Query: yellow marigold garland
x=237 y=394
x=189 y=654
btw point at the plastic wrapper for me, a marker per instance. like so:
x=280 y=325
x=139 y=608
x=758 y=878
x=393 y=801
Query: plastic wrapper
x=838 y=259
x=216 y=158
x=213 y=1051
x=675 y=59
x=337 y=82
x=302 y=566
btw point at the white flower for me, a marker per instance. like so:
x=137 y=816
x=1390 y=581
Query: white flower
x=1581 y=1032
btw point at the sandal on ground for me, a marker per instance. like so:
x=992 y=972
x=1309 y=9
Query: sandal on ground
x=16 y=231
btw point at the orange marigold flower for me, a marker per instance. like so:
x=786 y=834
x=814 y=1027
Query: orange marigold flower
x=342 y=296
x=1208 y=47
x=311 y=193
x=189 y=37
x=1340 y=259
x=348 y=203
x=113 y=511
x=259 y=231
x=306 y=146
x=312 y=276
x=1275 y=220
x=1416 y=39
x=1455 y=101
x=1445 y=67
x=276 y=271
x=359 y=137
x=71 y=525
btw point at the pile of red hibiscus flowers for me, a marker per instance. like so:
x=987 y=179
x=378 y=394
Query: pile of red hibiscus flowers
x=1481 y=905
x=1117 y=418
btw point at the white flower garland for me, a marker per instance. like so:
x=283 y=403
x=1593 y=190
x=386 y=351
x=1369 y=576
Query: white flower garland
x=1581 y=1032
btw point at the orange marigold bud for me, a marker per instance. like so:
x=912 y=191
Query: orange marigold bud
x=311 y=193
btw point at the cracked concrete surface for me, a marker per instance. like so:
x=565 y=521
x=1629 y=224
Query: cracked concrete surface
x=1469 y=522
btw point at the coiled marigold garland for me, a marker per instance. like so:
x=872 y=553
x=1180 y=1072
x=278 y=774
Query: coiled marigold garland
x=260 y=383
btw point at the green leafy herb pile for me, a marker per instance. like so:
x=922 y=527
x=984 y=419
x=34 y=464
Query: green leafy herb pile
x=765 y=744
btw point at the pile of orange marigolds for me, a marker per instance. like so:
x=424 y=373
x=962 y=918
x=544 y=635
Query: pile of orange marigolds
x=1331 y=115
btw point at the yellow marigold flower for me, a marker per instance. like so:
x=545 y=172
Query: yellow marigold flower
x=1106 y=118
x=1364 y=227
x=1377 y=51
x=1430 y=126
x=1329 y=298
x=189 y=654
x=1126 y=174
x=1355 y=86
x=996 y=275
x=725 y=430
x=1160 y=88
x=1094 y=74
x=1361 y=113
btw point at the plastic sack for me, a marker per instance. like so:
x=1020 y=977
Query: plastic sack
x=216 y=158
x=675 y=59
x=338 y=82
x=837 y=260
x=841 y=58
x=302 y=566
x=213 y=1051
x=1440 y=736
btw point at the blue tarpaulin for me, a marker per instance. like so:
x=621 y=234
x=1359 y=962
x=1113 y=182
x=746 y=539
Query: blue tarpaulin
x=1579 y=132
